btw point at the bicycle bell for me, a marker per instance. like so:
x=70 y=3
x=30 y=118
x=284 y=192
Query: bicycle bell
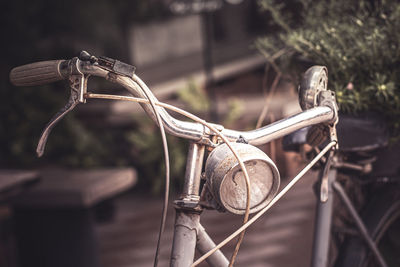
x=314 y=81
x=227 y=183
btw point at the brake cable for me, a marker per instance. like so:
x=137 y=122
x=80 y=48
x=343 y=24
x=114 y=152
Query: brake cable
x=212 y=128
x=328 y=147
x=167 y=174
x=143 y=86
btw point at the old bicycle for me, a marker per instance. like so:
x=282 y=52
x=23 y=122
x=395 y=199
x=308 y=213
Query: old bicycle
x=240 y=178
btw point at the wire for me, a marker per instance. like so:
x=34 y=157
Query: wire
x=212 y=128
x=148 y=93
x=260 y=213
x=273 y=201
x=167 y=172
x=167 y=183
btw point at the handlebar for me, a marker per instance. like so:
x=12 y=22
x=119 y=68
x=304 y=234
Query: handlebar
x=195 y=131
x=49 y=71
x=38 y=73
x=283 y=127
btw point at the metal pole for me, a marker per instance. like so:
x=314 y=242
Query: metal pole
x=185 y=235
x=187 y=210
x=323 y=220
x=205 y=244
x=194 y=165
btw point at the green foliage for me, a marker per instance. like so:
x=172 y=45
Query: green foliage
x=195 y=97
x=197 y=100
x=148 y=156
x=356 y=40
x=235 y=110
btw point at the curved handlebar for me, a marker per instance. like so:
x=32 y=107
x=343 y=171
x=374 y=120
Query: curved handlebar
x=196 y=131
x=50 y=71
x=38 y=73
x=263 y=135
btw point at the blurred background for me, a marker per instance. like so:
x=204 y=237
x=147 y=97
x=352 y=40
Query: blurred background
x=192 y=54
x=227 y=61
x=197 y=55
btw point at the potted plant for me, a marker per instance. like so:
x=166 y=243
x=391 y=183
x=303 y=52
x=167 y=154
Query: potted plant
x=357 y=40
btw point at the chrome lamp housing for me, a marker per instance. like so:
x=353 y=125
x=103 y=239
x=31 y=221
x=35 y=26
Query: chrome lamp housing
x=226 y=181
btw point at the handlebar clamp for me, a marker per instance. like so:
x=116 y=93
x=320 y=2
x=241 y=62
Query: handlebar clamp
x=327 y=98
x=109 y=64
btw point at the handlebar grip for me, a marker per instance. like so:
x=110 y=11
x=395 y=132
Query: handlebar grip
x=37 y=73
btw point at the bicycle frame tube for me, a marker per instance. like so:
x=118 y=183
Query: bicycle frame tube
x=189 y=235
x=188 y=232
x=185 y=236
x=194 y=165
x=187 y=217
x=323 y=221
x=205 y=244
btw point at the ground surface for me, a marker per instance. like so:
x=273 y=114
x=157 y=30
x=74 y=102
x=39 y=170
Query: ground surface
x=282 y=237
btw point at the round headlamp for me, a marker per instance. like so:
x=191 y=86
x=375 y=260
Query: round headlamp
x=227 y=183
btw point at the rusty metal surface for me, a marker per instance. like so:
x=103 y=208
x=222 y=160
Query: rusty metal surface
x=226 y=181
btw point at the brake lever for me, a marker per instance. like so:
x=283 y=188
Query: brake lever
x=78 y=87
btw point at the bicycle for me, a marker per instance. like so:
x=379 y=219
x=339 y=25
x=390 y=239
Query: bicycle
x=233 y=156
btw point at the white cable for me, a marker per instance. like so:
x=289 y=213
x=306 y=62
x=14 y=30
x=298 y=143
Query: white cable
x=274 y=200
x=212 y=128
x=167 y=172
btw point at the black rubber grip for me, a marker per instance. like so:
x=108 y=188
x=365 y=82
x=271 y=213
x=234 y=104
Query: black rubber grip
x=38 y=73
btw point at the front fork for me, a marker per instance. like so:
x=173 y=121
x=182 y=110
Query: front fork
x=188 y=232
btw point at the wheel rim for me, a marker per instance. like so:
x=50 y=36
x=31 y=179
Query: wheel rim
x=388 y=239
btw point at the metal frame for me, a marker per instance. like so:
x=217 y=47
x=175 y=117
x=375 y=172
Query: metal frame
x=188 y=232
x=323 y=221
